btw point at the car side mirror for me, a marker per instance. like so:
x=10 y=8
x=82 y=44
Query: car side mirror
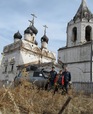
x=40 y=75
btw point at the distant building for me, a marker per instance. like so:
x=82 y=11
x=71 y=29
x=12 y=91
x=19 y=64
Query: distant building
x=24 y=51
x=78 y=53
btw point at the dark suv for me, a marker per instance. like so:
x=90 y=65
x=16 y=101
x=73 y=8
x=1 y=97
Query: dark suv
x=39 y=77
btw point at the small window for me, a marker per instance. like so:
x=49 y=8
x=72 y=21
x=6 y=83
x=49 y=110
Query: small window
x=5 y=68
x=74 y=34
x=88 y=33
x=12 y=67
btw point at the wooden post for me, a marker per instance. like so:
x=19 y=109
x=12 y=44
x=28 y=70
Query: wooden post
x=65 y=105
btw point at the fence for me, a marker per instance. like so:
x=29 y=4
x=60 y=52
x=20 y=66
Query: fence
x=86 y=87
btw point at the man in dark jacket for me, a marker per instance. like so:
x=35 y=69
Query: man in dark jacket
x=67 y=78
x=52 y=77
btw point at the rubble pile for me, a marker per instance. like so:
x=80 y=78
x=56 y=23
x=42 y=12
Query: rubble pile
x=27 y=99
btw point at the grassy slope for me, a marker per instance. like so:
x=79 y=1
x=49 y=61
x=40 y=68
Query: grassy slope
x=26 y=100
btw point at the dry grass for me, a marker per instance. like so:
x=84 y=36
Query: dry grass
x=25 y=99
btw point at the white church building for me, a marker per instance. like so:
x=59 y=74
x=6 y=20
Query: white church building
x=78 y=52
x=24 y=51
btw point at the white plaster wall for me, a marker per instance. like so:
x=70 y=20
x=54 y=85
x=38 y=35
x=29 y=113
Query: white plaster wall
x=78 y=60
x=46 y=60
x=80 y=33
x=76 y=54
x=16 y=40
x=28 y=57
x=80 y=72
x=26 y=54
x=30 y=38
x=92 y=69
x=69 y=34
x=44 y=45
x=8 y=75
x=83 y=26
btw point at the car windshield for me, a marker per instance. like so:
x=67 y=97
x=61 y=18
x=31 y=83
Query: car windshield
x=37 y=74
x=46 y=74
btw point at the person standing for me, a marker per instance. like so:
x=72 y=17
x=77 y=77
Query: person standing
x=58 y=81
x=67 y=78
x=52 y=76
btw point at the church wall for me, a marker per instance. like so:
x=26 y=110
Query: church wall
x=80 y=33
x=30 y=38
x=83 y=26
x=44 y=45
x=78 y=53
x=9 y=75
x=80 y=72
x=45 y=59
x=75 y=54
x=69 y=34
x=78 y=61
x=92 y=60
x=28 y=57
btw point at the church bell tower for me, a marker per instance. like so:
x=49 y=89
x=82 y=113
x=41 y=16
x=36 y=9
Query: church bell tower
x=80 y=28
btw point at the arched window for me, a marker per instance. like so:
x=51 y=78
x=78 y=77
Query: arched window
x=12 y=62
x=6 y=68
x=12 y=67
x=88 y=33
x=74 y=34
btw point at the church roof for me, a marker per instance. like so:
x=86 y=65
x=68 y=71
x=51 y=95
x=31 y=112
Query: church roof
x=17 y=35
x=34 y=30
x=83 y=12
x=44 y=38
x=28 y=31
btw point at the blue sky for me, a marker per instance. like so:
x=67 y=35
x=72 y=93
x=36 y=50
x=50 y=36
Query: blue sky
x=14 y=16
